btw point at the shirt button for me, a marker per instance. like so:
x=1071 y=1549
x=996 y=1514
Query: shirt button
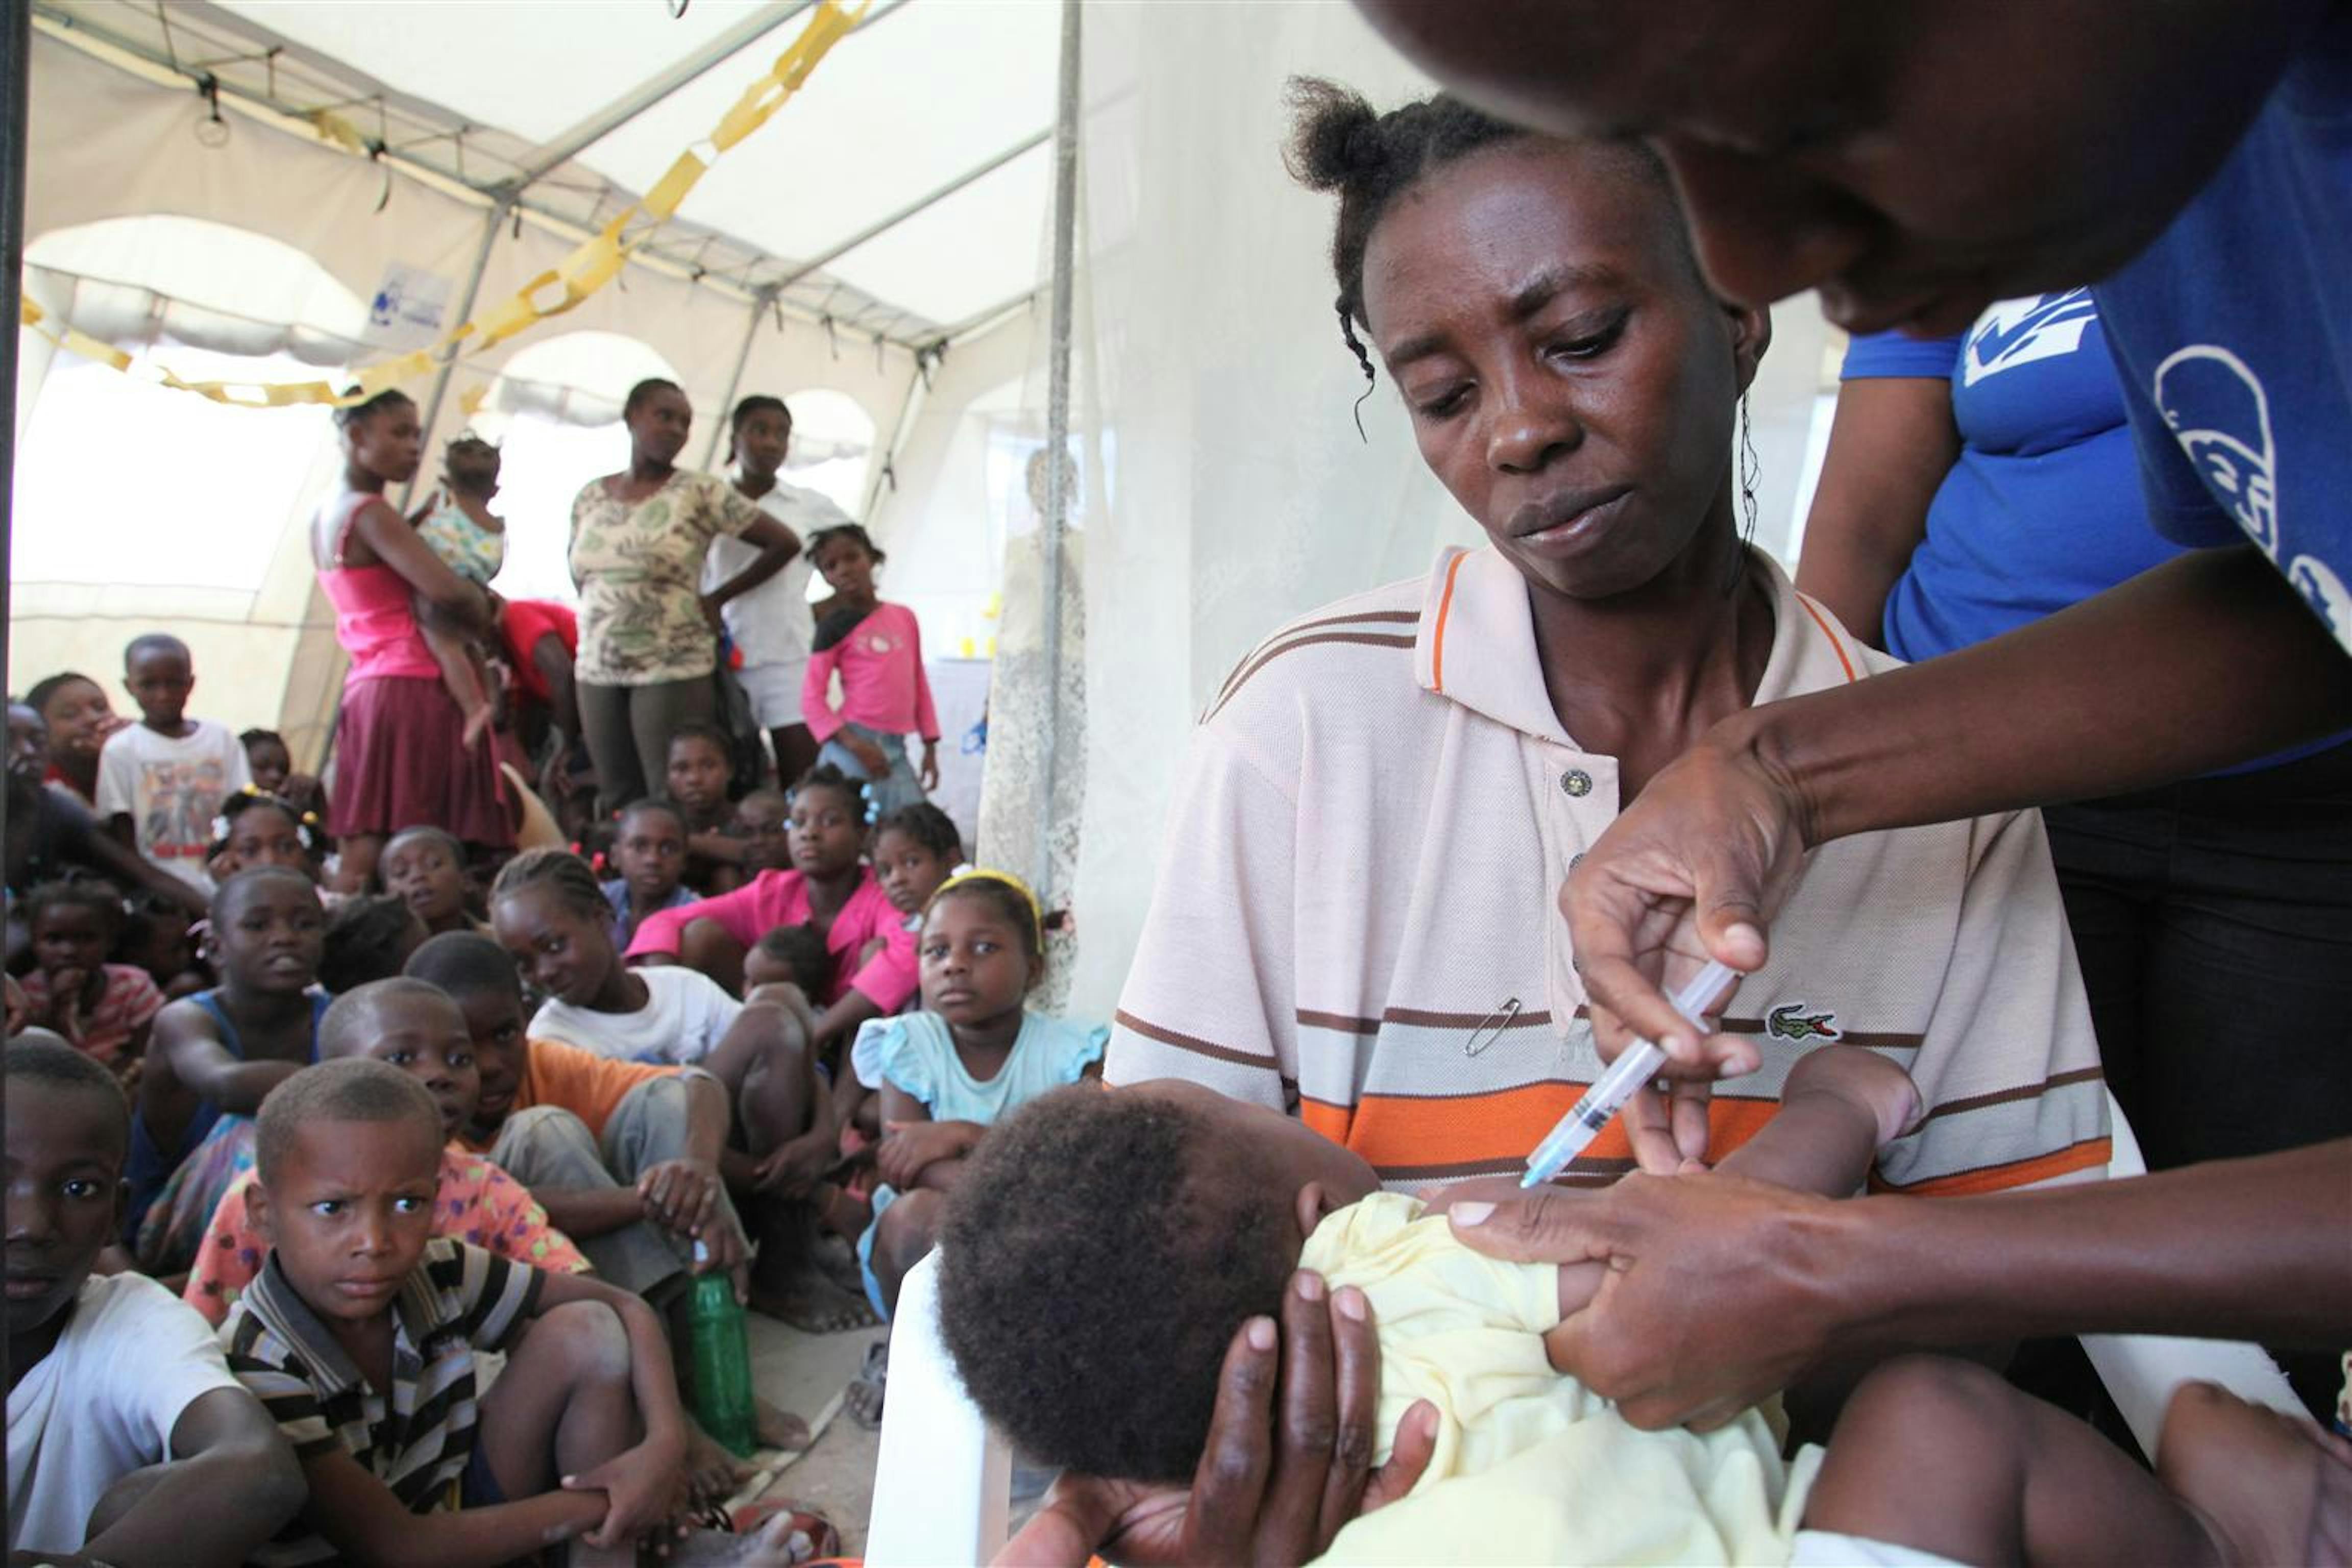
x=1574 y=862
x=1577 y=782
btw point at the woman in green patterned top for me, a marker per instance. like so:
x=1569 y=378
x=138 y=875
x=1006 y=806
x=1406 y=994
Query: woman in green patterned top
x=648 y=636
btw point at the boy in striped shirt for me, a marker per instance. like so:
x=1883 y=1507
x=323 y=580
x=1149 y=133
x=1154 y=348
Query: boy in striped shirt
x=360 y=1334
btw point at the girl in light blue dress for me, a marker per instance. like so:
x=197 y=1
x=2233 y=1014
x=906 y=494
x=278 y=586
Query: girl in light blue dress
x=949 y=1072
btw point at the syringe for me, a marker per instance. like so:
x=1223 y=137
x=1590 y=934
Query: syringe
x=1620 y=1082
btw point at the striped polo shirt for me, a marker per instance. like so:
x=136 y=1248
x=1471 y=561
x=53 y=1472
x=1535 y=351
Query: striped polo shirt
x=1355 y=918
x=417 y=1439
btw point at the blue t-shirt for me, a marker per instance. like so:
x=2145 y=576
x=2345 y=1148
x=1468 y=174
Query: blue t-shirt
x=2233 y=332
x=2042 y=508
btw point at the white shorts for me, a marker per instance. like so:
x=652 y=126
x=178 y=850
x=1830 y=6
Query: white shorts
x=775 y=692
x=1828 y=1548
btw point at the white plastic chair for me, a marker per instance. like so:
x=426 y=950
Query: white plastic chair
x=942 y=1482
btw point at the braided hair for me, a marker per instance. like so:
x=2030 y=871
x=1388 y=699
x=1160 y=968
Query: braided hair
x=561 y=875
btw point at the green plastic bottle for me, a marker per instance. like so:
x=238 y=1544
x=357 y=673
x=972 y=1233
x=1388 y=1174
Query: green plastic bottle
x=722 y=1360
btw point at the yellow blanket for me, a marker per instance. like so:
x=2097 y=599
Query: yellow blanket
x=1531 y=1467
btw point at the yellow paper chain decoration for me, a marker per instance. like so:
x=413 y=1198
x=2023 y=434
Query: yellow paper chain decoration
x=592 y=264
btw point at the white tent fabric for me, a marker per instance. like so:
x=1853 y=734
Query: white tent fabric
x=1225 y=488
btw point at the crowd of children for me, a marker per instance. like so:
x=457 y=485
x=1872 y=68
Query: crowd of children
x=373 y=1115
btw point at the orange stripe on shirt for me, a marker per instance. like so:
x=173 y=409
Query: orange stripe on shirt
x=1392 y=1131
x=2083 y=1156
x=1835 y=647
x=1437 y=644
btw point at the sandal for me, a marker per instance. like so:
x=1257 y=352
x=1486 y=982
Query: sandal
x=864 y=1395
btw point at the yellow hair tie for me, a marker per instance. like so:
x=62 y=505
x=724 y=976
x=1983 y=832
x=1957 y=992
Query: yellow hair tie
x=984 y=874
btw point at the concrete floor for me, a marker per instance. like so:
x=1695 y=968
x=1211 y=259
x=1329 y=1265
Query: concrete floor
x=807 y=1375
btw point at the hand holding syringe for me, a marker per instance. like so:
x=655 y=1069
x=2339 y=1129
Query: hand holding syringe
x=1623 y=1080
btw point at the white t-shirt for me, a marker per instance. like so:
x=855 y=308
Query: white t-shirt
x=771 y=625
x=172 y=790
x=684 y=1015
x=102 y=1403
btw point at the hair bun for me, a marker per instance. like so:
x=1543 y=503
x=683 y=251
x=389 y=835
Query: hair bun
x=1335 y=134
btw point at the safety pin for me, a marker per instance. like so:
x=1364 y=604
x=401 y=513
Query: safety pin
x=1491 y=1027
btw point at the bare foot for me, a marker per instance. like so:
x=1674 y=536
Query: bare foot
x=864 y=1396
x=838 y=1261
x=812 y=1304
x=712 y=1473
x=2268 y=1487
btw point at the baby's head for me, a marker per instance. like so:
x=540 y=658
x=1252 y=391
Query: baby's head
x=1102 y=1250
x=348 y=1157
x=470 y=465
x=479 y=975
x=414 y=1027
x=790 y=955
x=916 y=848
x=367 y=939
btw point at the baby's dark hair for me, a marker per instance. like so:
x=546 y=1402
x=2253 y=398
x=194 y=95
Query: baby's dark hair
x=465 y=964
x=51 y=1061
x=641 y=392
x=1092 y=1275
x=757 y=403
x=365 y=942
x=825 y=775
x=927 y=825
x=561 y=875
x=464 y=450
x=700 y=730
x=103 y=899
x=355 y=1089
x=801 y=950
x=1340 y=143
x=352 y=415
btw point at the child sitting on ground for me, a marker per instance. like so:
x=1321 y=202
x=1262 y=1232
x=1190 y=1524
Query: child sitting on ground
x=129 y=1441
x=272 y=761
x=456 y=524
x=257 y=829
x=214 y=1055
x=649 y=853
x=790 y=955
x=948 y=1074
x=763 y=827
x=162 y=781
x=550 y=912
x=830 y=887
x=361 y=1334
x=102 y=1009
x=916 y=848
x=369 y=937
x=426 y=869
x=697 y=780
x=1187 y=1214
x=408 y=1024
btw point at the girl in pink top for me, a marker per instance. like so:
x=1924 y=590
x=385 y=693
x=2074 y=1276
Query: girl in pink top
x=400 y=741
x=830 y=888
x=878 y=649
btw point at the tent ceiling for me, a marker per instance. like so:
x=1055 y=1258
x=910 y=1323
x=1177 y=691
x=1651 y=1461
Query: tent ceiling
x=900 y=108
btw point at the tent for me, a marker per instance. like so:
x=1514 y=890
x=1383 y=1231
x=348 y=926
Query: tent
x=288 y=189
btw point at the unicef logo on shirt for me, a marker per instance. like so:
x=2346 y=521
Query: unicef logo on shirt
x=2219 y=413
x=2020 y=332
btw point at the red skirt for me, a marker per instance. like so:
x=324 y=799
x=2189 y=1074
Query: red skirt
x=400 y=763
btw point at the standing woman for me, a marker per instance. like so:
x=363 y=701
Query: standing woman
x=647 y=636
x=400 y=739
x=772 y=624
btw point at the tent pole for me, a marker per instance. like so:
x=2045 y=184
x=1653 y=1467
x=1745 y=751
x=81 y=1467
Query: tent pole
x=1057 y=425
x=735 y=377
x=917 y=385
x=15 y=76
x=473 y=290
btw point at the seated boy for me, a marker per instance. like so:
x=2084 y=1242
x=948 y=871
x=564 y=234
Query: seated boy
x=129 y=1441
x=361 y=1336
x=416 y=1028
x=1119 y=1378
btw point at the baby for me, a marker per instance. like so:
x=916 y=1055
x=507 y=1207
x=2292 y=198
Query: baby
x=456 y=524
x=1091 y=1332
